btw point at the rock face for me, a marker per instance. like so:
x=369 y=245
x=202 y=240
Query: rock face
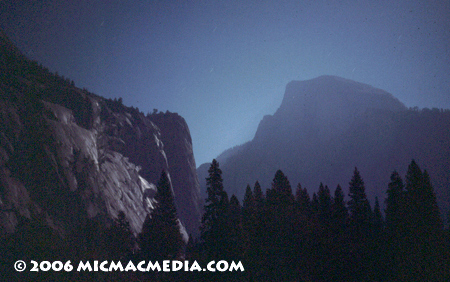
x=178 y=144
x=70 y=155
x=328 y=125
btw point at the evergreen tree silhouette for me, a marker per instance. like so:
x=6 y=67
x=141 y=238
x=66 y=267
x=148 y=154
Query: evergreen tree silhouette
x=377 y=222
x=378 y=266
x=255 y=226
x=248 y=209
x=214 y=228
x=395 y=225
x=359 y=224
x=160 y=237
x=423 y=252
x=258 y=195
x=315 y=204
x=280 y=226
x=339 y=256
x=339 y=210
x=192 y=249
x=395 y=205
x=235 y=230
x=303 y=231
x=358 y=205
x=282 y=187
x=120 y=236
x=324 y=199
x=248 y=221
x=303 y=202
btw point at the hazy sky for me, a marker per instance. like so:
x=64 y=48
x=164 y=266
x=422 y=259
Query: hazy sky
x=223 y=65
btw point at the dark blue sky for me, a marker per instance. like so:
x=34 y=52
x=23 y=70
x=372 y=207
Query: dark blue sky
x=223 y=65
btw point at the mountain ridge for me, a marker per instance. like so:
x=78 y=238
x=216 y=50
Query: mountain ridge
x=328 y=125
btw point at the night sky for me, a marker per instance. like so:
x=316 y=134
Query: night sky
x=224 y=65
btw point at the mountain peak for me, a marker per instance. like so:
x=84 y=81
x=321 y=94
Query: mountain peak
x=328 y=125
x=329 y=103
x=333 y=92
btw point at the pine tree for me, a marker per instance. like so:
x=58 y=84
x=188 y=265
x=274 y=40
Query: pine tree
x=160 y=237
x=303 y=202
x=214 y=227
x=256 y=231
x=282 y=187
x=259 y=197
x=431 y=214
x=438 y=250
x=315 y=204
x=358 y=205
x=378 y=265
x=339 y=210
x=323 y=236
x=324 y=198
x=280 y=224
x=303 y=228
x=248 y=218
x=281 y=192
x=377 y=221
x=121 y=237
x=423 y=250
x=395 y=227
x=235 y=231
x=339 y=250
x=423 y=212
x=394 y=205
x=192 y=249
x=359 y=224
x=248 y=207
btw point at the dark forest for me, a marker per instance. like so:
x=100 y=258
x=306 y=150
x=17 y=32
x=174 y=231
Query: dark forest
x=279 y=235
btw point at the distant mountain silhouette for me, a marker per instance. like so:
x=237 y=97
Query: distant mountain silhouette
x=328 y=125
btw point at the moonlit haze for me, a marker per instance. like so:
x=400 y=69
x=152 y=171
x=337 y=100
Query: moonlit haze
x=223 y=65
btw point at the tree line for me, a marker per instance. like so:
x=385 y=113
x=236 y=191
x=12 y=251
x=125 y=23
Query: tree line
x=282 y=236
x=278 y=235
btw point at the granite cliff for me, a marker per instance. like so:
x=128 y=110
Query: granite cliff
x=69 y=155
